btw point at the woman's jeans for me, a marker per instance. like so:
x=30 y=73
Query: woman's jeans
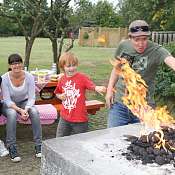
x=120 y=115
x=11 y=115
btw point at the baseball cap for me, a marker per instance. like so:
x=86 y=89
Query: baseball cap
x=139 y=28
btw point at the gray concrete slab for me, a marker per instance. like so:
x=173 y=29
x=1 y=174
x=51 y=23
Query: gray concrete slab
x=96 y=153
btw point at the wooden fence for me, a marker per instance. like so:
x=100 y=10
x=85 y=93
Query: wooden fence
x=110 y=37
x=163 y=37
x=101 y=36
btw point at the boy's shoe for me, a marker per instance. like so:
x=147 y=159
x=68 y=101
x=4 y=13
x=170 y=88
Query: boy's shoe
x=13 y=154
x=3 y=150
x=38 y=151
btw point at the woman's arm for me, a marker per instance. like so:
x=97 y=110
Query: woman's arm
x=31 y=92
x=6 y=92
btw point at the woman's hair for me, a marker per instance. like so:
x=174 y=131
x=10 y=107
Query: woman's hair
x=14 y=58
x=67 y=58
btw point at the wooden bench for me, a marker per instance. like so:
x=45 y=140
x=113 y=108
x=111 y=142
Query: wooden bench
x=47 y=113
x=92 y=105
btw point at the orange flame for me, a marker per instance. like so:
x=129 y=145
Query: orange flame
x=135 y=100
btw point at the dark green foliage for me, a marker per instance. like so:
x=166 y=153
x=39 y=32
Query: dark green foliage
x=8 y=27
x=165 y=79
x=102 y=13
x=165 y=83
x=171 y=48
x=85 y=35
x=106 y=14
x=159 y=14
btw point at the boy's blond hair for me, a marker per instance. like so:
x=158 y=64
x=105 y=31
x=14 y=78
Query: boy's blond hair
x=67 y=58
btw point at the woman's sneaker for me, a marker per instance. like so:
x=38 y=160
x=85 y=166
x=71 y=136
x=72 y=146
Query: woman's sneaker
x=3 y=150
x=13 y=154
x=38 y=151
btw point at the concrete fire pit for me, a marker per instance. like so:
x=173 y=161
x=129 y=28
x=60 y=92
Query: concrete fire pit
x=96 y=153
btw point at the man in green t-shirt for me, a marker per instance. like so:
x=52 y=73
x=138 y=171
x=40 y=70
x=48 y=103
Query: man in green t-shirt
x=144 y=57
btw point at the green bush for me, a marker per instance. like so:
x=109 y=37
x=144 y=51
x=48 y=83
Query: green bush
x=171 y=48
x=165 y=79
x=165 y=83
x=85 y=36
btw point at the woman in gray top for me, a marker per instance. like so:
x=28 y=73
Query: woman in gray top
x=18 y=88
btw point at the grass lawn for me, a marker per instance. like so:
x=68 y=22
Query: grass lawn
x=41 y=56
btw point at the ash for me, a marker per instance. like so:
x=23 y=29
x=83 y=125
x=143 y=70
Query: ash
x=109 y=153
x=106 y=148
x=144 y=149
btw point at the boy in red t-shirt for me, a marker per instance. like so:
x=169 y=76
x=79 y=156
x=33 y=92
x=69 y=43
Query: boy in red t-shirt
x=71 y=90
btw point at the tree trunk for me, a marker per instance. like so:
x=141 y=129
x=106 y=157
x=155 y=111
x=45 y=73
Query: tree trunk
x=71 y=45
x=28 y=48
x=60 y=50
x=55 y=51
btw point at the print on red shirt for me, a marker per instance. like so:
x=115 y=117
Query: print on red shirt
x=72 y=94
x=73 y=108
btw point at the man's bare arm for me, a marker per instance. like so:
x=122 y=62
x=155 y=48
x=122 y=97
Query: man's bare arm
x=170 y=61
x=110 y=89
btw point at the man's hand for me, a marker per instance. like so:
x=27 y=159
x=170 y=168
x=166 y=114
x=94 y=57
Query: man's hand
x=110 y=90
x=109 y=99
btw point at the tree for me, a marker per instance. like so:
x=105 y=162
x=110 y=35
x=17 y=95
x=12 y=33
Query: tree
x=29 y=14
x=106 y=15
x=158 y=13
x=57 y=26
x=8 y=27
x=84 y=13
x=102 y=14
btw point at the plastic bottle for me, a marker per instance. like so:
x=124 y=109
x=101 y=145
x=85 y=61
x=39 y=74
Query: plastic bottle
x=3 y=150
x=54 y=68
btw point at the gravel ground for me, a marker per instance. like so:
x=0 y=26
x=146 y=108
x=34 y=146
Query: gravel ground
x=29 y=164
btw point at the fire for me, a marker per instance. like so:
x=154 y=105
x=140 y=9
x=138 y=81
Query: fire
x=135 y=100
